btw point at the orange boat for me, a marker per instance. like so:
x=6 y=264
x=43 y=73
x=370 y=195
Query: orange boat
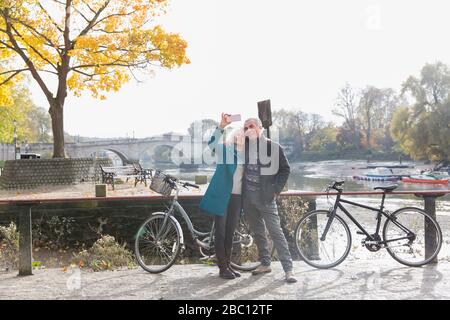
x=424 y=180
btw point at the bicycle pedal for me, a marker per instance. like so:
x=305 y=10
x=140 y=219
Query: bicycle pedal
x=360 y=232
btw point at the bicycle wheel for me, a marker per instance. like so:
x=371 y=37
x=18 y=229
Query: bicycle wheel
x=154 y=254
x=405 y=237
x=315 y=252
x=244 y=254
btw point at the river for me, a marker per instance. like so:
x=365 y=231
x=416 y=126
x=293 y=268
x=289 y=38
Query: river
x=315 y=176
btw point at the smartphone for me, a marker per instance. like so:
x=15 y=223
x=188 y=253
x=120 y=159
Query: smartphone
x=234 y=118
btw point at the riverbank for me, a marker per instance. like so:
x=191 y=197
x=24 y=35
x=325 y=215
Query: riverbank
x=351 y=155
x=378 y=279
x=78 y=191
x=307 y=176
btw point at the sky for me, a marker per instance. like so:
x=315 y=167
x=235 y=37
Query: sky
x=296 y=53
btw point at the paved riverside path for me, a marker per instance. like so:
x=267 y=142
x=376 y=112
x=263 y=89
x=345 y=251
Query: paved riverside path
x=360 y=279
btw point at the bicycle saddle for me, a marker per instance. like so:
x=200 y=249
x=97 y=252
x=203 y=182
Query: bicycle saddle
x=386 y=188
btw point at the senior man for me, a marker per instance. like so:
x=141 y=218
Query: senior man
x=266 y=172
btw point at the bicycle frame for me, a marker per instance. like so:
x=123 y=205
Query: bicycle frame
x=380 y=213
x=176 y=206
x=195 y=233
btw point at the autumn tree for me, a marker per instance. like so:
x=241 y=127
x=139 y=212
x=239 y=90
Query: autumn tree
x=375 y=110
x=292 y=125
x=422 y=127
x=300 y=128
x=95 y=45
x=324 y=138
x=313 y=129
x=202 y=129
x=346 y=107
x=39 y=125
x=32 y=121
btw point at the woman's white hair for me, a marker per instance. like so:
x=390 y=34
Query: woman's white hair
x=255 y=121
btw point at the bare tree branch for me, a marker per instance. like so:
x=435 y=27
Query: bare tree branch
x=50 y=17
x=93 y=21
x=33 y=48
x=25 y=58
x=89 y=7
x=16 y=72
x=34 y=30
x=114 y=15
x=12 y=71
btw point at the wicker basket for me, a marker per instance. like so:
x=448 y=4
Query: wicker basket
x=160 y=185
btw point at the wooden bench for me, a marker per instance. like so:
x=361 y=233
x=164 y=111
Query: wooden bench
x=135 y=170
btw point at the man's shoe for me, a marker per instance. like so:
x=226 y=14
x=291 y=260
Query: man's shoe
x=290 y=277
x=226 y=274
x=261 y=269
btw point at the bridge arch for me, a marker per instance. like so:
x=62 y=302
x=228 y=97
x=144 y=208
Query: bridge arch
x=125 y=160
x=118 y=157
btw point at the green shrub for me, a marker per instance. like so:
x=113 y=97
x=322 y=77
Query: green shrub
x=291 y=210
x=52 y=232
x=105 y=254
x=9 y=247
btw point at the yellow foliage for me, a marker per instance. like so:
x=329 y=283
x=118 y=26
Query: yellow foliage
x=19 y=105
x=108 y=40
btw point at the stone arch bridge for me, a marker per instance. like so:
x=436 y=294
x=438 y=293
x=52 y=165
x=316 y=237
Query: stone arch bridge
x=168 y=148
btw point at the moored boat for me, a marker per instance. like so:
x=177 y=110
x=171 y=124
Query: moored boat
x=377 y=178
x=378 y=174
x=424 y=178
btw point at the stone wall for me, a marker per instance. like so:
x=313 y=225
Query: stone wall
x=30 y=173
x=122 y=220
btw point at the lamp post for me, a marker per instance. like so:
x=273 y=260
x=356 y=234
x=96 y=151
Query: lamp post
x=265 y=115
x=15 y=139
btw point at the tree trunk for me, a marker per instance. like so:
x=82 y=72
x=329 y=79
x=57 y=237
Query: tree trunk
x=369 y=128
x=57 y=114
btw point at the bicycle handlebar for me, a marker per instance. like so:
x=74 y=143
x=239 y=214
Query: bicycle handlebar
x=183 y=184
x=187 y=184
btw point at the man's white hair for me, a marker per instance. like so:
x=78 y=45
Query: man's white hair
x=255 y=121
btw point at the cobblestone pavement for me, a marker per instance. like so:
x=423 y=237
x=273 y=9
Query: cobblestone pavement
x=368 y=279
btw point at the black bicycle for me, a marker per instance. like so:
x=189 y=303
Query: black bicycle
x=323 y=238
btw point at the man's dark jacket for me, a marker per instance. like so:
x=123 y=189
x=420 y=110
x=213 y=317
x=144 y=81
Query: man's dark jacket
x=269 y=185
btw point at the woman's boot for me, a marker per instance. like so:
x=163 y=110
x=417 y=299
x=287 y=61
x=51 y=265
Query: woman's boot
x=226 y=273
x=235 y=273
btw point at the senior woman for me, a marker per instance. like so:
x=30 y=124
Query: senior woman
x=223 y=196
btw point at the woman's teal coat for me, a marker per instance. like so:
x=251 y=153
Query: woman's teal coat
x=216 y=198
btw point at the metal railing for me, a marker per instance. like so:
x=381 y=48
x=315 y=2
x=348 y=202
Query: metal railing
x=24 y=208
